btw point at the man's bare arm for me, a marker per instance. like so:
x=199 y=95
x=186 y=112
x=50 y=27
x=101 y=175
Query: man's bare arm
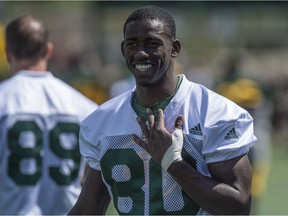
x=228 y=191
x=94 y=197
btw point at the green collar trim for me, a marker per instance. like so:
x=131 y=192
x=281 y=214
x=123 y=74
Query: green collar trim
x=140 y=108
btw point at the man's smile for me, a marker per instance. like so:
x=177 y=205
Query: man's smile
x=143 y=67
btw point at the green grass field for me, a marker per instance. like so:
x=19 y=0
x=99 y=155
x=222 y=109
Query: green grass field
x=275 y=199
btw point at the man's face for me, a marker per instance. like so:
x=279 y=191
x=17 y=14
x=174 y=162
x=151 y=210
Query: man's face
x=147 y=50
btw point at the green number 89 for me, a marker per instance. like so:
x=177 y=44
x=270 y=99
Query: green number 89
x=19 y=152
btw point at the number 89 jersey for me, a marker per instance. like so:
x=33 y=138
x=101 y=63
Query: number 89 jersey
x=40 y=162
x=215 y=129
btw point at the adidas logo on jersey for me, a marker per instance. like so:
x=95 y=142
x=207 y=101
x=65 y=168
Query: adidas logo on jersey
x=196 y=130
x=232 y=134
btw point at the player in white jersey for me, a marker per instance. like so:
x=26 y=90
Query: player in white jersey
x=40 y=163
x=189 y=159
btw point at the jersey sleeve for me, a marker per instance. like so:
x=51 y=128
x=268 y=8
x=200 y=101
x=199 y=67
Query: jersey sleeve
x=90 y=151
x=229 y=138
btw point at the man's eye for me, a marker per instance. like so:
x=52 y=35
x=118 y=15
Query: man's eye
x=130 y=44
x=154 y=44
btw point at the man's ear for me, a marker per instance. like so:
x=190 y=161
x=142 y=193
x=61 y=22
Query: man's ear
x=176 y=48
x=49 y=50
x=8 y=55
x=123 y=49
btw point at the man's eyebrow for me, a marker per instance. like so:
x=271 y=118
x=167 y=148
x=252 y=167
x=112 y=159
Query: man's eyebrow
x=164 y=32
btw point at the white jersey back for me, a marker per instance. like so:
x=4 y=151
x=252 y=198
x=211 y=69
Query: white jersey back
x=40 y=164
x=215 y=129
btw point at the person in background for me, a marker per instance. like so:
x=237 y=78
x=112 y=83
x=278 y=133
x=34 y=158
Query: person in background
x=169 y=145
x=40 y=163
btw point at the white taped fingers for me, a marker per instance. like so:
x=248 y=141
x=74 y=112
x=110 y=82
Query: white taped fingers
x=173 y=153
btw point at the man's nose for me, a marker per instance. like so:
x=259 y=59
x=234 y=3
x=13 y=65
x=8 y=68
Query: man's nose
x=141 y=54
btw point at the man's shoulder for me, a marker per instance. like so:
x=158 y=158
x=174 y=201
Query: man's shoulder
x=209 y=96
x=106 y=111
x=6 y=83
x=211 y=106
x=9 y=87
x=107 y=115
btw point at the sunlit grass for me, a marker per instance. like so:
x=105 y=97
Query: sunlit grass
x=274 y=200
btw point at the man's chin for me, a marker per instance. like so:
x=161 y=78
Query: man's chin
x=147 y=84
x=144 y=84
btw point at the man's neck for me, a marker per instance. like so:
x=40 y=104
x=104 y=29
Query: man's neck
x=153 y=94
x=140 y=108
x=40 y=65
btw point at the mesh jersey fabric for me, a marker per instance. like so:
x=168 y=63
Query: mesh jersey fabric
x=40 y=163
x=215 y=129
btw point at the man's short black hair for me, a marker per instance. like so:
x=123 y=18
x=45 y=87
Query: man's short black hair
x=153 y=13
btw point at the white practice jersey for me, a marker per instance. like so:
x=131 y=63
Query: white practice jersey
x=215 y=129
x=40 y=163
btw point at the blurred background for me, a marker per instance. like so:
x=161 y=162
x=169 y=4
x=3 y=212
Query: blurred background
x=239 y=49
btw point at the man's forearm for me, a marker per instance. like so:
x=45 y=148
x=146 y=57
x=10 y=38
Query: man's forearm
x=209 y=194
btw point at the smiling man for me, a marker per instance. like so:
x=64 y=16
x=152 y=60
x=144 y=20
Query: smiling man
x=168 y=146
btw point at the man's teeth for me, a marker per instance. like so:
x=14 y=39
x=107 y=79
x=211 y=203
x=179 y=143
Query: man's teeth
x=143 y=67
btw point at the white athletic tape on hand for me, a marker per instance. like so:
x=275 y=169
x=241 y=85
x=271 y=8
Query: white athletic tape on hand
x=173 y=153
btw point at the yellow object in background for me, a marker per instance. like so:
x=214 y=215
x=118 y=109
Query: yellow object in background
x=91 y=90
x=260 y=178
x=244 y=92
x=3 y=62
